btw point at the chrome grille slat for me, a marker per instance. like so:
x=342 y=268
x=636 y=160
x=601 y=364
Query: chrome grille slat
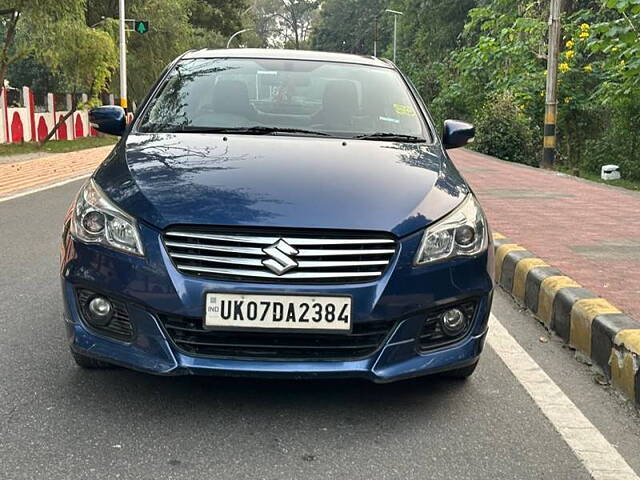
x=271 y=240
x=258 y=263
x=322 y=253
x=265 y=274
x=218 y=248
x=255 y=262
x=271 y=255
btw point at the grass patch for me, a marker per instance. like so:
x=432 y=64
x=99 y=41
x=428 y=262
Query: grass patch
x=56 y=146
x=594 y=177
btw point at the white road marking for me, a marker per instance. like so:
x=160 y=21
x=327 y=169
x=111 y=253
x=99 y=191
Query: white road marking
x=44 y=187
x=599 y=457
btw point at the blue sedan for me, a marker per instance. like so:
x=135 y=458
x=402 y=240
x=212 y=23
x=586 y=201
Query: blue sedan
x=279 y=214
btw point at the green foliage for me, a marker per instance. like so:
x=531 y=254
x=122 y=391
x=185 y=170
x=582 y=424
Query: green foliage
x=283 y=23
x=220 y=16
x=30 y=27
x=29 y=71
x=618 y=142
x=495 y=76
x=505 y=131
x=84 y=60
x=429 y=31
x=350 y=26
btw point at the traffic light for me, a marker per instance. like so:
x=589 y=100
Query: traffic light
x=141 y=26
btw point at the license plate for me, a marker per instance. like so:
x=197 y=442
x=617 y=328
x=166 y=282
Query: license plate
x=277 y=312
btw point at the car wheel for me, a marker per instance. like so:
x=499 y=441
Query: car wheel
x=462 y=373
x=89 y=363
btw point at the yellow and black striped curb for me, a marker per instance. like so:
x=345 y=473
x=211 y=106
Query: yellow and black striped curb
x=585 y=321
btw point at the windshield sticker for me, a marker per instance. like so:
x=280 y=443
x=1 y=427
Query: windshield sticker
x=406 y=110
x=388 y=119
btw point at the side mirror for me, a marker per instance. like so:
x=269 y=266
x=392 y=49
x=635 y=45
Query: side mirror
x=109 y=119
x=457 y=134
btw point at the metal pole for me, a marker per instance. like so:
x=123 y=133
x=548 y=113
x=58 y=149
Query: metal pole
x=123 y=57
x=551 y=102
x=375 y=37
x=395 y=30
x=395 y=36
x=236 y=34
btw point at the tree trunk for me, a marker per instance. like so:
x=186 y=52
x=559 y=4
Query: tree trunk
x=8 y=42
x=57 y=126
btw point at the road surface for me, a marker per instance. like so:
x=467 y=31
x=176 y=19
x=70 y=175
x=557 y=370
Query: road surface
x=60 y=422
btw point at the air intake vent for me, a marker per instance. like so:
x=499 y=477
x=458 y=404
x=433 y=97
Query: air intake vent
x=280 y=256
x=190 y=337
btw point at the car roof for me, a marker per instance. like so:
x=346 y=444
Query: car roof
x=283 y=54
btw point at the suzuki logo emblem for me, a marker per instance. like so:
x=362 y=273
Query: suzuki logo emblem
x=280 y=261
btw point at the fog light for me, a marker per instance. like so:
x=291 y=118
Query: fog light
x=100 y=310
x=453 y=322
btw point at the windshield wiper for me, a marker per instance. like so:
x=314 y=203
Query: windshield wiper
x=260 y=130
x=392 y=137
x=255 y=130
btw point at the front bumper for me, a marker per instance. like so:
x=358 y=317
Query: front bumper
x=151 y=286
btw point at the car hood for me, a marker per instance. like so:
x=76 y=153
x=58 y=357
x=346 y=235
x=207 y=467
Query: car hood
x=280 y=181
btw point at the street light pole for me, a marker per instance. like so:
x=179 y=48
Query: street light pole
x=236 y=34
x=123 y=56
x=375 y=37
x=551 y=102
x=395 y=30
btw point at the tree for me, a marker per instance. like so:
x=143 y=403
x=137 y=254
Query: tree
x=350 y=26
x=284 y=23
x=29 y=26
x=428 y=32
x=83 y=64
x=220 y=16
x=296 y=18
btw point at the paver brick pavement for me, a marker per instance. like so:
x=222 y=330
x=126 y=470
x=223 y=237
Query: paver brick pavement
x=19 y=176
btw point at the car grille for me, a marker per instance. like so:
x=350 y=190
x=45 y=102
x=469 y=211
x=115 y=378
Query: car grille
x=190 y=337
x=432 y=335
x=118 y=327
x=280 y=256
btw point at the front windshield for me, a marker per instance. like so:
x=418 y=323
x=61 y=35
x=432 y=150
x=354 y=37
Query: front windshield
x=338 y=99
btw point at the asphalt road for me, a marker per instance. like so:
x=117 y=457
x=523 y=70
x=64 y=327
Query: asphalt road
x=60 y=422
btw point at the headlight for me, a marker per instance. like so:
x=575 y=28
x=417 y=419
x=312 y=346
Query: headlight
x=462 y=232
x=96 y=219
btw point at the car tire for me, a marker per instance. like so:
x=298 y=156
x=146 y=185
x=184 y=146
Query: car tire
x=89 y=363
x=462 y=373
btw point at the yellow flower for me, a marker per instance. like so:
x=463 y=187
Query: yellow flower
x=570 y=54
x=542 y=94
x=588 y=68
x=583 y=35
x=615 y=49
x=563 y=67
x=585 y=27
x=567 y=99
x=570 y=44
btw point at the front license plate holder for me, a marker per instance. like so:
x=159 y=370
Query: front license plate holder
x=278 y=313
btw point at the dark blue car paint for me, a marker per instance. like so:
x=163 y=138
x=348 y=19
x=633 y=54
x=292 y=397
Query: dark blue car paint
x=288 y=182
x=185 y=178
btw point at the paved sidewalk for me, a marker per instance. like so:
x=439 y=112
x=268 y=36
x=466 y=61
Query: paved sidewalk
x=591 y=232
x=24 y=175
